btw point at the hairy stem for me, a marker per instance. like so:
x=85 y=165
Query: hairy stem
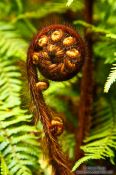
x=86 y=97
x=57 y=158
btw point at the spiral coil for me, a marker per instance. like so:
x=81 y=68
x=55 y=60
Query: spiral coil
x=58 y=52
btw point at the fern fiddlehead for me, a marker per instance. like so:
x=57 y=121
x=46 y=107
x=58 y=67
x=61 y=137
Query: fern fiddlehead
x=58 y=52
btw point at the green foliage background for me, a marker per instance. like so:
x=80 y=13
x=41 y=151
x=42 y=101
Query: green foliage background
x=20 y=149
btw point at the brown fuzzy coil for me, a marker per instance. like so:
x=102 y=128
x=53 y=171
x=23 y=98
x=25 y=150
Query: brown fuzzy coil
x=58 y=52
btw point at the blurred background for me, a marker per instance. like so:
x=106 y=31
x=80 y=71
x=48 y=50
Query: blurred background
x=87 y=102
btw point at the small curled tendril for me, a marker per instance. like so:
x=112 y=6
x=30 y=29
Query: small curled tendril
x=57 y=51
x=57 y=126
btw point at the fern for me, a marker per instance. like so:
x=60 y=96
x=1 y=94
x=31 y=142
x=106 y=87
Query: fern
x=101 y=143
x=4 y=168
x=19 y=148
x=68 y=143
x=107 y=40
x=10 y=84
x=52 y=7
x=111 y=79
x=69 y=2
x=18 y=145
x=96 y=29
x=61 y=88
x=56 y=92
x=11 y=45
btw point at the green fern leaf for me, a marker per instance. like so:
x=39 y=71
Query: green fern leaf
x=11 y=45
x=18 y=144
x=101 y=143
x=111 y=79
x=69 y=2
x=3 y=167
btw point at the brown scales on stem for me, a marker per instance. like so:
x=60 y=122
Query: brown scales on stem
x=86 y=98
x=58 y=52
x=44 y=114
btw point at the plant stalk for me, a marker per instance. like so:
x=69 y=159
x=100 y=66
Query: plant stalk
x=86 y=96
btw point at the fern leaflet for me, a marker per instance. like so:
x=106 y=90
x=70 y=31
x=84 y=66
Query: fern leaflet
x=111 y=79
x=101 y=143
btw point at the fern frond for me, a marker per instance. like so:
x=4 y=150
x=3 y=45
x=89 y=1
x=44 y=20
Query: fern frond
x=96 y=29
x=55 y=93
x=61 y=88
x=82 y=160
x=10 y=84
x=19 y=145
x=101 y=143
x=69 y=2
x=3 y=167
x=11 y=45
x=67 y=141
x=111 y=79
x=57 y=7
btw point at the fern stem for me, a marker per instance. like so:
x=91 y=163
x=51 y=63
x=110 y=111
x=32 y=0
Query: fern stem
x=57 y=158
x=86 y=98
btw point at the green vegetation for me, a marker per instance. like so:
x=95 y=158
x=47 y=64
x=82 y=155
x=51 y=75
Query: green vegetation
x=21 y=150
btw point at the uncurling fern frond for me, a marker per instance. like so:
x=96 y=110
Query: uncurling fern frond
x=101 y=143
x=111 y=79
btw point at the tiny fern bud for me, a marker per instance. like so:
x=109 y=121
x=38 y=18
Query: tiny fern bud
x=57 y=126
x=57 y=35
x=68 y=41
x=42 y=85
x=73 y=53
x=43 y=41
